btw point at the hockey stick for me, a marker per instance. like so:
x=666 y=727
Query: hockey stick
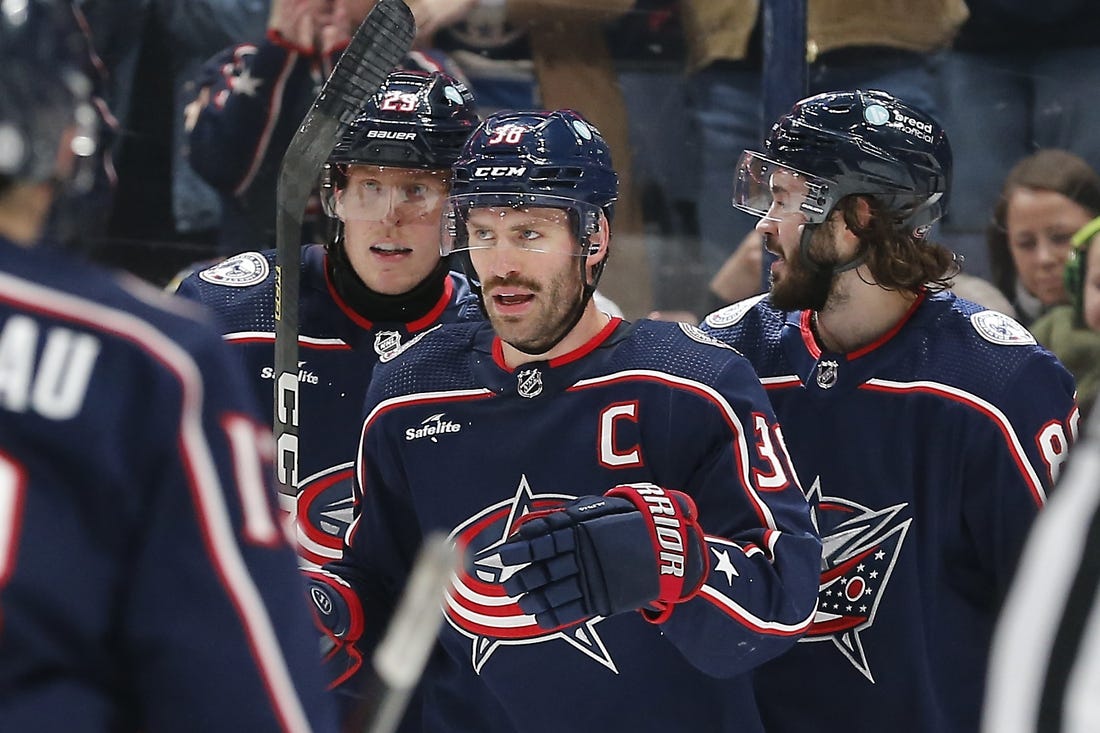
x=400 y=657
x=382 y=40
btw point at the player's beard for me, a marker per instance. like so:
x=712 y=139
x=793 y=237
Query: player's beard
x=553 y=314
x=802 y=287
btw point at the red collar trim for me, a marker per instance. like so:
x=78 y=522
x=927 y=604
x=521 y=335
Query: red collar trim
x=587 y=348
x=437 y=310
x=804 y=325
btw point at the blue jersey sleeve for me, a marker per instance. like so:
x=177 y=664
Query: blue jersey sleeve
x=1017 y=448
x=764 y=551
x=249 y=101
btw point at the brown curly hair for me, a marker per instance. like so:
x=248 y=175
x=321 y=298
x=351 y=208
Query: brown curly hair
x=897 y=259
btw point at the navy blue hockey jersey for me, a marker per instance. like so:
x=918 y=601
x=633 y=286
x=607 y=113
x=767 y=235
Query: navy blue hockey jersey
x=926 y=456
x=145 y=582
x=455 y=440
x=338 y=349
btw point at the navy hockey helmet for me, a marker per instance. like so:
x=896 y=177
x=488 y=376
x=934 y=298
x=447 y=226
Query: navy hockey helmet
x=523 y=160
x=854 y=142
x=44 y=88
x=416 y=120
x=534 y=159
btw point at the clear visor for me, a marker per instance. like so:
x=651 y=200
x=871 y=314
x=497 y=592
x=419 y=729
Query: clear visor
x=774 y=191
x=383 y=193
x=480 y=221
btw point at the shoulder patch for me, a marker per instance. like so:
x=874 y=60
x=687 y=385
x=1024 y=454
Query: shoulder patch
x=693 y=333
x=997 y=328
x=731 y=314
x=239 y=271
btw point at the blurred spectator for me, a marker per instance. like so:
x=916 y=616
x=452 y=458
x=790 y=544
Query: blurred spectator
x=159 y=203
x=1021 y=76
x=647 y=45
x=981 y=291
x=248 y=101
x=1046 y=197
x=1072 y=331
x=880 y=44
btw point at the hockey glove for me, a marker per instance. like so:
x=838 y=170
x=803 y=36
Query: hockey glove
x=337 y=612
x=639 y=547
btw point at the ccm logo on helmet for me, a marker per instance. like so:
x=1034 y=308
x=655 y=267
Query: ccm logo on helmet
x=389 y=135
x=507 y=171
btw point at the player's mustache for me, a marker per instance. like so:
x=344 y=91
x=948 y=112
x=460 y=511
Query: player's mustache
x=501 y=282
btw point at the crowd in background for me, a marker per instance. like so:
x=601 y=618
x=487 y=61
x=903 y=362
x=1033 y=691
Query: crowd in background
x=674 y=86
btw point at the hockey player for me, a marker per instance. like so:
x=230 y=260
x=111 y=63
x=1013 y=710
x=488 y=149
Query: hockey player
x=145 y=584
x=378 y=283
x=636 y=538
x=926 y=429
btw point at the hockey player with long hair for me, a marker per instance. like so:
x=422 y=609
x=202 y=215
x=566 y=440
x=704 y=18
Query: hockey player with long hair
x=927 y=430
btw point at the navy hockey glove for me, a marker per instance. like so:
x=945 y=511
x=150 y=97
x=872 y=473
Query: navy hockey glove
x=337 y=612
x=639 y=547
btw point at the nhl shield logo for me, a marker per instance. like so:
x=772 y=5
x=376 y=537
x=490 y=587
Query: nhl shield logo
x=387 y=344
x=530 y=383
x=827 y=372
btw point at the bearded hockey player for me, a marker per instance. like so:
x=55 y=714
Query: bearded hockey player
x=379 y=283
x=927 y=430
x=636 y=538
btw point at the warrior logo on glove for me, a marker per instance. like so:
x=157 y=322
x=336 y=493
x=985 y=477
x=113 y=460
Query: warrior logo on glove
x=545 y=567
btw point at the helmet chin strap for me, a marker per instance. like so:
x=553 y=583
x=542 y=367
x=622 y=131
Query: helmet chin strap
x=804 y=254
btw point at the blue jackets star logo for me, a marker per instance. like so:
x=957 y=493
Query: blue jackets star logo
x=477 y=605
x=859 y=549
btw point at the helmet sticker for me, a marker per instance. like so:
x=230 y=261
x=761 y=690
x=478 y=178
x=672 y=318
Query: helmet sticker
x=582 y=129
x=451 y=93
x=239 y=271
x=507 y=134
x=876 y=114
x=12 y=148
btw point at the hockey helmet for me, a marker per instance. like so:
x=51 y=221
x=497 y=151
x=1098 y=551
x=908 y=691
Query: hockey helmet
x=44 y=88
x=853 y=142
x=533 y=159
x=416 y=120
